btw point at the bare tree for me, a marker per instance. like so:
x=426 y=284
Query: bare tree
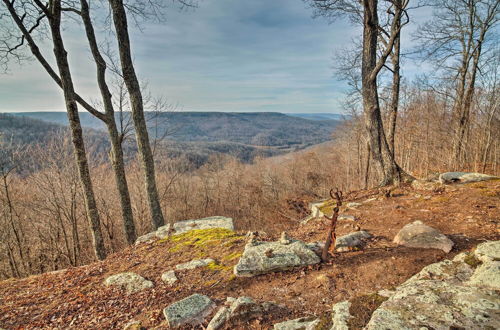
x=455 y=39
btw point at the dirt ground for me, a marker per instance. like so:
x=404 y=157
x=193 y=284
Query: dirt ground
x=76 y=298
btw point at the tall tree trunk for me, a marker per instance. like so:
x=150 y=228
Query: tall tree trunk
x=54 y=16
x=134 y=90
x=396 y=85
x=387 y=167
x=116 y=145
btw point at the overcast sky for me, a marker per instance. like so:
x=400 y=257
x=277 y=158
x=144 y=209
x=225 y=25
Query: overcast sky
x=225 y=55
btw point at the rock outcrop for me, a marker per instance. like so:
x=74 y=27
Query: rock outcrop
x=266 y=257
x=185 y=226
x=189 y=311
x=464 y=177
x=194 y=264
x=130 y=282
x=304 y=323
x=447 y=295
x=419 y=235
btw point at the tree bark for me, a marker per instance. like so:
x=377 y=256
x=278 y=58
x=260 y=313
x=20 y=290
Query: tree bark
x=141 y=132
x=389 y=170
x=396 y=85
x=54 y=17
x=116 y=146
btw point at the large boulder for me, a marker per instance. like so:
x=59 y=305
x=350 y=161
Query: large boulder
x=130 y=282
x=185 y=226
x=266 y=257
x=419 y=235
x=189 y=311
x=453 y=294
x=205 y=223
x=464 y=177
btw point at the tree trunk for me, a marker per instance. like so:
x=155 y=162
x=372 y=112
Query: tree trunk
x=141 y=132
x=396 y=83
x=387 y=167
x=76 y=129
x=116 y=146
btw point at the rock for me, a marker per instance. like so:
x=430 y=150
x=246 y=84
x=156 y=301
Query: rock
x=486 y=275
x=341 y=315
x=284 y=238
x=353 y=205
x=133 y=325
x=464 y=177
x=239 y=310
x=185 y=226
x=189 y=311
x=386 y=293
x=169 y=277
x=194 y=264
x=254 y=260
x=130 y=282
x=304 y=323
x=418 y=235
x=149 y=237
x=205 y=223
x=445 y=295
x=352 y=240
x=435 y=304
x=347 y=217
x=488 y=251
x=163 y=231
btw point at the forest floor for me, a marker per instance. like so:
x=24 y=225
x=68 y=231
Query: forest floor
x=76 y=297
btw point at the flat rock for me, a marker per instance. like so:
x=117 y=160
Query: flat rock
x=464 y=177
x=418 y=235
x=130 y=282
x=341 y=315
x=194 y=264
x=205 y=223
x=351 y=240
x=266 y=257
x=353 y=205
x=425 y=185
x=449 y=294
x=347 y=217
x=488 y=251
x=169 y=277
x=304 y=323
x=189 y=311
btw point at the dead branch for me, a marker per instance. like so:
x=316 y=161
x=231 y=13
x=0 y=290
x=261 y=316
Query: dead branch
x=329 y=247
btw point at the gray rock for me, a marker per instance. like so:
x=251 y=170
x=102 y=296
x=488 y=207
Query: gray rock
x=464 y=177
x=386 y=293
x=444 y=295
x=163 y=231
x=169 y=277
x=220 y=318
x=426 y=185
x=349 y=241
x=418 y=235
x=304 y=323
x=149 y=237
x=487 y=275
x=435 y=304
x=341 y=315
x=266 y=257
x=346 y=217
x=353 y=205
x=130 y=282
x=194 y=264
x=189 y=311
x=205 y=223
x=488 y=251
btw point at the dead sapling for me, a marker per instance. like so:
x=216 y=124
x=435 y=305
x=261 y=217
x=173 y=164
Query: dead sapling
x=329 y=247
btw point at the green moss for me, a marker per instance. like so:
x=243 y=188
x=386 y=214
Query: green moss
x=327 y=207
x=218 y=267
x=200 y=238
x=232 y=256
x=472 y=261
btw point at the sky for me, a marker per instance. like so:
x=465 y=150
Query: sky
x=225 y=55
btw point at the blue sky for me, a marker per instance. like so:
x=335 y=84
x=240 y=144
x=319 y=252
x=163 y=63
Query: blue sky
x=225 y=55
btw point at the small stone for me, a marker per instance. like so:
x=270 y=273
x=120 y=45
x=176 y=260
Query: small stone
x=352 y=240
x=130 y=282
x=284 y=238
x=304 y=323
x=353 y=205
x=194 y=264
x=189 y=311
x=341 y=315
x=219 y=319
x=169 y=277
x=347 y=217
